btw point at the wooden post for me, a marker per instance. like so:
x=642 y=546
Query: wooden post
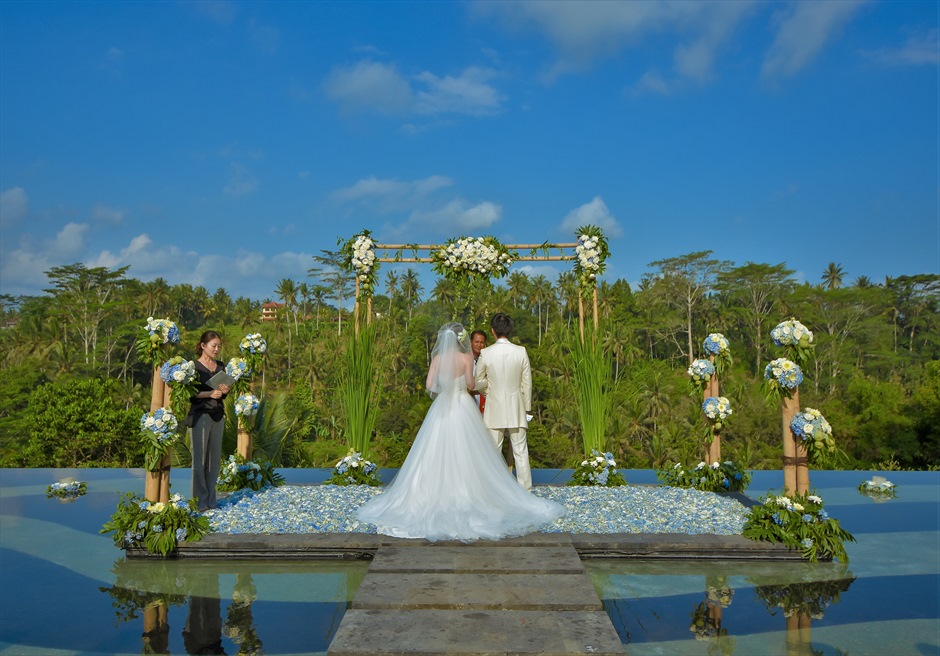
x=794 y=647
x=369 y=311
x=152 y=479
x=581 y=314
x=595 y=307
x=244 y=439
x=790 y=407
x=713 y=449
x=802 y=468
x=156 y=628
x=356 y=307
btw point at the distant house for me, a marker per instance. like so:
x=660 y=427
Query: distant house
x=269 y=311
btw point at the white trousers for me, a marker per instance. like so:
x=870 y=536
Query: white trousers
x=520 y=452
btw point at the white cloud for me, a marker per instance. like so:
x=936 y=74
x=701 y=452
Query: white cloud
x=101 y=212
x=377 y=87
x=69 y=241
x=369 y=85
x=917 y=50
x=266 y=38
x=804 y=29
x=594 y=213
x=220 y=11
x=583 y=31
x=240 y=182
x=390 y=194
x=457 y=216
x=653 y=82
x=14 y=206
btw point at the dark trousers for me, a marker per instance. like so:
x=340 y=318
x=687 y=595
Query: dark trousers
x=206 y=441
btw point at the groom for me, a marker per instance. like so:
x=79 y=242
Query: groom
x=503 y=374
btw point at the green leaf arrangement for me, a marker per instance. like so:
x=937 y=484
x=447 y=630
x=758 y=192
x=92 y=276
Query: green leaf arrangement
x=158 y=526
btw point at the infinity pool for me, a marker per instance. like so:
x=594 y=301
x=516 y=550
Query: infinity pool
x=65 y=589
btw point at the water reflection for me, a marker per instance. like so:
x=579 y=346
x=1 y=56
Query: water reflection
x=675 y=602
x=146 y=591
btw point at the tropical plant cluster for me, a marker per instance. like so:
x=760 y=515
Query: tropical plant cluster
x=67 y=489
x=73 y=385
x=353 y=469
x=159 y=526
x=238 y=473
x=800 y=522
x=598 y=469
x=724 y=476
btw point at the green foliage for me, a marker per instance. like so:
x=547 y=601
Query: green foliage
x=810 y=598
x=359 y=388
x=353 y=469
x=799 y=522
x=67 y=489
x=592 y=378
x=718 y=477
x=78 y=422
x=159 y=527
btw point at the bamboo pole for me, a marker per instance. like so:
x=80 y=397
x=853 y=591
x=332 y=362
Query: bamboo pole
x=244 y=439
x=595 y=307
x=802 y=467
x=713 y=389
x=581 y=314
x=152 y=479
x=434 y=247
x=356 y=308
x=165 y=462
x=790 y=406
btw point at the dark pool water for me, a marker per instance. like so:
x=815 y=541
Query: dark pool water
x=65 y=589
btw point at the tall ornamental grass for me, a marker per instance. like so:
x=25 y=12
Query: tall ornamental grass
x=359 y=389
x=592 y=377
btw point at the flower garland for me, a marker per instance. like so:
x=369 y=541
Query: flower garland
x=811 y=427
x=781 y=377
x=160 y=527
x=718 y=345
x=799 y=522
x=247 y=405
x=599 y=469
x=591 y=253
x=796 y=338
x=159 y=433
x=67 y=490
x=353 y=469
x=358 y=255
x=157 y=333
x=700 y=374
x=725 y=476
x=237 y=473
x=468 y=257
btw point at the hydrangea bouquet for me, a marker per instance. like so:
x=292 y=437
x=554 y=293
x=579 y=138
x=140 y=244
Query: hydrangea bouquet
x=159 y=527
x=718 y=345
x=68 y=490
x=781 y=377
x=700 y=374
x=247 y=405
x=717 y=409
x=253 y=344
x=180 y=374
x=811 y=428
x=358 y=255
x=158 y=428
x=238 y=368
x=598 y=469
x=718 y=477
x=795 y=338
x=353 y=469
x=799 y=522
x=237 y=473
x=157 y=333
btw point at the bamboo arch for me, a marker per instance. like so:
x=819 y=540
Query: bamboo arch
x=533 y=256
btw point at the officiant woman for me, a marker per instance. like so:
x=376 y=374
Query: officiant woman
x=206 y=418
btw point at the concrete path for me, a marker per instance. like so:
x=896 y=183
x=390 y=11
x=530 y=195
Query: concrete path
x=519 y=596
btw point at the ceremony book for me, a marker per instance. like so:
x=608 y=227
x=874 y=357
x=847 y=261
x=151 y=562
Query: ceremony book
x=221 y=378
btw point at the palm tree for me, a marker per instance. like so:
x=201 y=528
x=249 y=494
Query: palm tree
x=541 y=291
x=832 y=276
x=517 y=283
x=391 y=286
x=444 y=292
x=286 y=290
x=411 y=288
x=863 y=282
x=248 y=311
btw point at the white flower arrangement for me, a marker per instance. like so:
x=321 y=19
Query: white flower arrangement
x=162 y=331
x=598 y=469
x=238 y=368
x=353 y=469
x=358 y=254
x=878 y=487
x=68 y=490
x=591 y=252
x=792 y=333
x=254 y=344
x=472 y=256
x=246 y=405
x=178 y=371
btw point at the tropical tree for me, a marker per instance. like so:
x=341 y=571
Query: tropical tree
x=334 y=276
x=832 y=276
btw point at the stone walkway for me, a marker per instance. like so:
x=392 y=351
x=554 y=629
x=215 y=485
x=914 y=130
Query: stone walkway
x=527 y=595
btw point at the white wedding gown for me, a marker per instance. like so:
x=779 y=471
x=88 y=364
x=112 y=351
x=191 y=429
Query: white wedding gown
x=454 y=485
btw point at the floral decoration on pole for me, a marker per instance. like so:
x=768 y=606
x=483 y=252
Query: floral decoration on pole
x=700 y=375
x=239 y=369
x=718 y=346
x=159 y=432
x=471 y=262
x=160 y=332
x=358 y=255
x=796 y=339
x=811 y=427
x=781 y=379
x=246 y=405
x=591 y=255
x=180 y=375
x=717 y=409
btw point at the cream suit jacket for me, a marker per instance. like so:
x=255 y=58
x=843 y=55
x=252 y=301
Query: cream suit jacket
x=504 y=376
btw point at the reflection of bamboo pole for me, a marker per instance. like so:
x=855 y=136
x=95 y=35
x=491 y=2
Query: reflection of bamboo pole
x=152 y=479
x=805 y=624
x=790 y=407
x=156 y=629
x=794 y=647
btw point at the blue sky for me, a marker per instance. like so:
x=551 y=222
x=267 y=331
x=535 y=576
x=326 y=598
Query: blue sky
x=225 y=143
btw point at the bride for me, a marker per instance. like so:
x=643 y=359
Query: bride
x=454 y=485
